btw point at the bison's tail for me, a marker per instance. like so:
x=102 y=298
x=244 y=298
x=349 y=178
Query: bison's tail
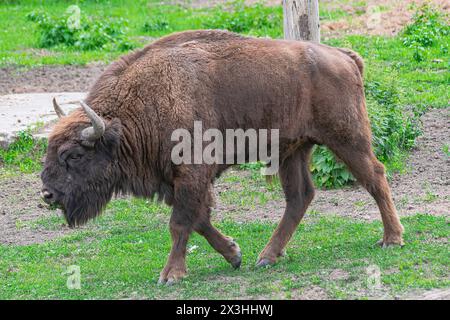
x=356 y=57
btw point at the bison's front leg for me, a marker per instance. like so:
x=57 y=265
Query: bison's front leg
x=191 y=212
x=180 y=230
x=189 y=194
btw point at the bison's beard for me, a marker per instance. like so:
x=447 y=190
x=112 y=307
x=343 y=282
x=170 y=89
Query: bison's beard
x=80 y=207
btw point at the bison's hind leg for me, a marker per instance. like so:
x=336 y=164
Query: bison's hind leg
x=362 y=163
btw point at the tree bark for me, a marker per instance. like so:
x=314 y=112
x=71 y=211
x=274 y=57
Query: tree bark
x=301 y=20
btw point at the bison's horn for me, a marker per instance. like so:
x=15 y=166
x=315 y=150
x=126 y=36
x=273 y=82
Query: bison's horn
x=98 y=125
x=59 y=111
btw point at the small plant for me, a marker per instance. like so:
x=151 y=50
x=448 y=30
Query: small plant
x=446 y=150
x=253 y=166
x=26 y=153
x=327 y=172
x=426 y=30
x=88 y=34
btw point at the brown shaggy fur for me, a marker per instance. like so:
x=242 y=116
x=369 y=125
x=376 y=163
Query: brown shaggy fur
x=312 y=93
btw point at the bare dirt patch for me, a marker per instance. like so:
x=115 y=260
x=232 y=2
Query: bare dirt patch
x=48 y=79
x=435 y=294
x=20 y=205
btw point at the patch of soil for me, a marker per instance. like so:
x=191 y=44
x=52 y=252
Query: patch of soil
x=434 y=294
x=49 y=78
x=313 y=293
x=20 y=205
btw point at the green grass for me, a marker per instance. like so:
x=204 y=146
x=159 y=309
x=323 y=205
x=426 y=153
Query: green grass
x=121 y=253
x=25 y=153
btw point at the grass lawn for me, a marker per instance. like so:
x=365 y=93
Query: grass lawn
x=121 y=254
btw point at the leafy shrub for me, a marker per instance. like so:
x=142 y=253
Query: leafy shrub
x=88 y=35
x=326 y=171
x=427 y=28
x=25 y=153
x=239 y=17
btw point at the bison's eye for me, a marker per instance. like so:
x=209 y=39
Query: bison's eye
x=71 y=156
x=75 y=156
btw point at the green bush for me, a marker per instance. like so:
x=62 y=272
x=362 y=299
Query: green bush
x=326 y=171
x=426 y=30
x=239 y=17
x=90 y=34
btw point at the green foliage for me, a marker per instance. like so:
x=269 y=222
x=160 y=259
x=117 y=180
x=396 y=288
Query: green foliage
x=446 y=150
x=254 y=166
x=327 y=172
x=25 y=153
x=239 y=17
x=427 y=28
x=89 y=34
x=394 y=129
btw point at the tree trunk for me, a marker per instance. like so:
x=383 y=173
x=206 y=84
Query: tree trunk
x=301 y=20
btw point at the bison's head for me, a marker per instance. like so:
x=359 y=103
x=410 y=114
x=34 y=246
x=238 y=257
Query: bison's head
x=81 y=167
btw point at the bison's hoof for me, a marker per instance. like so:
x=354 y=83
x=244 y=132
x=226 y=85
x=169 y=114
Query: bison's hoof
x=264 y=262
x=171 y=276
x=236 y=257
x=236 y=260
x=387 y=244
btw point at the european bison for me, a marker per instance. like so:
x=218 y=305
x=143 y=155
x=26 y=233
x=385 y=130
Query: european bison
x=120 y=140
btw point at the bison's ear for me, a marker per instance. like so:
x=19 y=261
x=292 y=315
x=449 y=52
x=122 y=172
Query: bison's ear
x=111 y=137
